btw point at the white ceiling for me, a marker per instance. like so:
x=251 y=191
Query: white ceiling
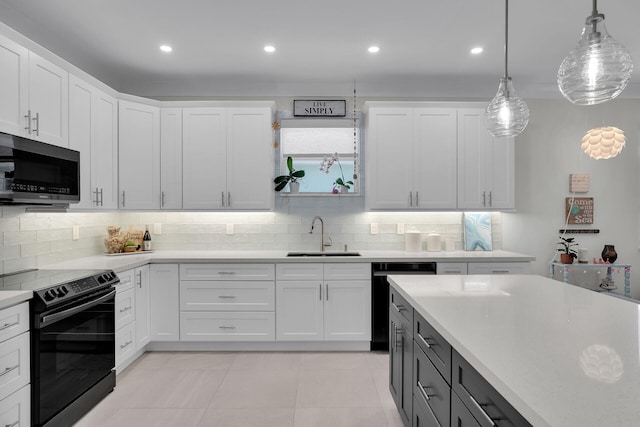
x=321 y=45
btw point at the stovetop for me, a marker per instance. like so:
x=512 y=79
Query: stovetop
x=53 y=287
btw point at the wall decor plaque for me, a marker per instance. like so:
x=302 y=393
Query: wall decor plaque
x=579 y=183
x=320 y=108
x=579 y=210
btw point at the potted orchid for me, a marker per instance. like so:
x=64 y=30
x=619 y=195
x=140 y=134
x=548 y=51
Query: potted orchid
x=339 y=185
x=291 y=178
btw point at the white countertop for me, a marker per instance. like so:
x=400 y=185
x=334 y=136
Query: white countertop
x=123 y=262
x=9 y=298
x=560 y=354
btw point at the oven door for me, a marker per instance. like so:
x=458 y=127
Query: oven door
x=73 y=348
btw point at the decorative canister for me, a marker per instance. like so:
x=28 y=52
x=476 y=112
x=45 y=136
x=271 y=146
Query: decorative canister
x=114 y=242
x=412 y=241
x=609 y=254
x=433 y=242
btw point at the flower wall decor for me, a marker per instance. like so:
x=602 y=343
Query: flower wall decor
x=339 y=184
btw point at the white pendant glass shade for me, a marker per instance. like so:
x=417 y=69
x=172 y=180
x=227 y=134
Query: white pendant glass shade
x=604 y=142
x=598 y=69
x=507 y=114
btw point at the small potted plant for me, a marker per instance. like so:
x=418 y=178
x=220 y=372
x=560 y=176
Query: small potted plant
x=568 y=254
x=291 y=178
x=130 y=246
x=339 y=185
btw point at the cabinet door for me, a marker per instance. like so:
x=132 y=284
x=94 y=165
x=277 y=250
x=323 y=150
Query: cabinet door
x=347 y=311
x=395 y=362
x=14 y=60
x=80 y=135
x=15 y=410
x=389 y=152
x=299 y=312
x=125 y=344
x=204 y=157
x=125 y=308
x=472 y=160
x=171 y=158
x=143 y=332
x=249 y=159
x=104 y=150
x=435 y=160
x=164 y=293
x=49 y=100
x=14 y=364
x=501 y=173
x=139 y=156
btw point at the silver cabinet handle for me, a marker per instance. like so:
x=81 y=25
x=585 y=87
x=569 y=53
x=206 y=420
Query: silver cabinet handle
x=226 y=273
x=226 y=327
x=484 y=198
x=14 y=424
x=424 y=340
x=417 y=199
x=398 y=307
x=124 y=310
x=28 y=126
x=326 y=286
x=398 y=331
x=126 y=344
x=423 y=391
x=101 y=197
x=162 y=199
x=222 y=194
x=479 y=406
x=139 y=279
x=36 y=129
x=229 y=199
x=226 y=296
x=95 y=197
x=490 y=198
x=320 y=289
x=499 y=271
x=8 y=325
x=123 y=203
x=7 y=370
x=410 y=198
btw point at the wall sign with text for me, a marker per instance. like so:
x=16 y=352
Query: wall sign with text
x=579 y=210
x=319 y=108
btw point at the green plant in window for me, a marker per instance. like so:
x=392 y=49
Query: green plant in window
x=293 y=176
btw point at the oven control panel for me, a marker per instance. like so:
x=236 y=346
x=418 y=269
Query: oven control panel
x=72 y=289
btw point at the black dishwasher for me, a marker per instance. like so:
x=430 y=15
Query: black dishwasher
x=380 y=296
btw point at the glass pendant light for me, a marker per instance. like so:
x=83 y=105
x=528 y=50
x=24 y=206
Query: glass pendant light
x=598 y=69
x=507 y=114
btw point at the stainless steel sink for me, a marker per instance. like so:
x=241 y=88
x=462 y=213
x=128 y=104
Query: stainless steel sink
x=322 y=254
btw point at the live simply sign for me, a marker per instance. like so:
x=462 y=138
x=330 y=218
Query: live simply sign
x=320 y=108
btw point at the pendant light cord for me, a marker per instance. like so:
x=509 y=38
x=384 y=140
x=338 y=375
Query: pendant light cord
x=506 y=37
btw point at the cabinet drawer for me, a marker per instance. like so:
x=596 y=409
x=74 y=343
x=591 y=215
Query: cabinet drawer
x=398 y=304
x=347 y=271
x=460 y=415
x=227 y=296
x=300 y=271
x=15 y=409
x=452 y=268
x=125 y=342
x=125 y=308
x=126 y=281
x=482 y=400
x=14 y=321
x=227 y=326
x=227 y=272
x=434 y=345
x=430 y=388
x=422 y=415
x=498 y=268
x=14 y=364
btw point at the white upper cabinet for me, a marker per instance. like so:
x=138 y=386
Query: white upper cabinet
x=34 y=95
x=171 y=158
x=139 y=156
x=411 y=158
x=93 y=131
x=486 y=174
x=227 y=158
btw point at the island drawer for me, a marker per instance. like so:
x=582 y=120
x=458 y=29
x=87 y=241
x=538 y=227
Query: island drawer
x=460 y=415
x=227 y=296
x=400 y=305
x=227 y=272
x=433 y=344
x=482 y=400
x=430 y=389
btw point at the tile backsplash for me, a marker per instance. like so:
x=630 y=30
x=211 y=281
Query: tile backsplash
x=32 y=240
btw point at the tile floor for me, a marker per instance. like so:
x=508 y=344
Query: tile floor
x=250 y=389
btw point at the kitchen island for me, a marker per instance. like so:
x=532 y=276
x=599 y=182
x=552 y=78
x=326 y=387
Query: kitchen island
x=560 y=355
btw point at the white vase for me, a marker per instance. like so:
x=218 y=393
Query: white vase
x=344 y=189
x=294 y=187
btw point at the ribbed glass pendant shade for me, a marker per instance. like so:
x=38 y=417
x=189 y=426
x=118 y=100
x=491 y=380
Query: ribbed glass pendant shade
x=598 y=69
x=507 y=114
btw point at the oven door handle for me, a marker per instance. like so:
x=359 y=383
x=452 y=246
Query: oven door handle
x=51 y=318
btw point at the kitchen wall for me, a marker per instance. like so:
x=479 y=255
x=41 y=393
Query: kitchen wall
x=546 y=153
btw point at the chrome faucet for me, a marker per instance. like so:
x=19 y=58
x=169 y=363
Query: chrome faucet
x=322 y=242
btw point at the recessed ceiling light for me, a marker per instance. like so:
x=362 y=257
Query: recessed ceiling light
x=373 y=49
x=477 y=50
x=166 y=48
x=269 y=49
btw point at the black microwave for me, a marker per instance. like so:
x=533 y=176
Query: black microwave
x=35 y=173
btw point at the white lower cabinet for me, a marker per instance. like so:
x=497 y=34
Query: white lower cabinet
x=227 y=302
x=125 y=319
x=451 y=268
x=125 y=344
x=141 y=288
x=164 y=309
x=323 y=302
x=499 y=267
x=15 y=374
